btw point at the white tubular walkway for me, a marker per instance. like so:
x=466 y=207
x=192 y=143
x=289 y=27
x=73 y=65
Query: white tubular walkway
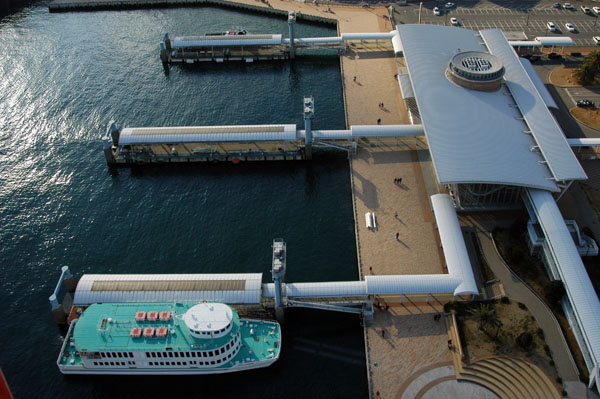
x=580 y=291
x=583 y=142
x=315 y=40
x=386 y=130
x=458 y=281
x=369 y=36
x=455 y=251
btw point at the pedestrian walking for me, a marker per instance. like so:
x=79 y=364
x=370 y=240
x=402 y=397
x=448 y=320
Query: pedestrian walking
x=379 y=121
x=397 y=235
x=354 y=80
x=399 y=180
x=396 y=215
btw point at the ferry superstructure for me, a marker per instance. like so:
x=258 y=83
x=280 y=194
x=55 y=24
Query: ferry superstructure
x=167 y=339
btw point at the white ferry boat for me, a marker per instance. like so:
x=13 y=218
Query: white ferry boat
x=167 y=339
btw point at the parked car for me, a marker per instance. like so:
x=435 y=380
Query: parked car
x=570 y=27
x=454 y=21
x=554 y=56
x=585 y=10
x=568 y=6
x=551 y=26
x=557 y=5
x=534 y=58
x=596 y=39
x=596 y=10
x=436 y=11
x=585 y=103
x=449 y=5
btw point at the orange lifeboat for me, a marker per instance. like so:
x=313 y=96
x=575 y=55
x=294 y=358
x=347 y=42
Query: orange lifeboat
x=162 y=332
x=149 y=332
x=165 y=316
x=135 y=332
x=152 y=316
x=140 y=316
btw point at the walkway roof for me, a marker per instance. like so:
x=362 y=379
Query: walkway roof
x=226 y=40
x=206 y=134
x=572 y=271
x=228 y=288
x=474 y=136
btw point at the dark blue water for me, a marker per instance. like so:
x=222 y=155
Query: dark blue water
x=64 y=76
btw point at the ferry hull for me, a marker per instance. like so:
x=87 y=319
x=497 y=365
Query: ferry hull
x=178 y=371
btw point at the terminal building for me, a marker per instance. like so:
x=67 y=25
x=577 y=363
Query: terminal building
x=495 y=144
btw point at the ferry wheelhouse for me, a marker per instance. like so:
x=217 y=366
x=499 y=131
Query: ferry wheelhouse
x=167 y=338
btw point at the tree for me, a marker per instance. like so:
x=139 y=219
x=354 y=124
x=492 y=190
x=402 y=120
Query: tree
x=589 y=71
x=554 y=291
x=487 y=319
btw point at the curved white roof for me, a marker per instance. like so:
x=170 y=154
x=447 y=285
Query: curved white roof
x=411 y=284
x=583 y=142
x=580 y=291
x=369 y=36
x=225 y=40
x=228 y=288
x=208 y=317
x=473 y=136
x=206 y=134
x=453 y=244
x=327 y=289
x=544 y=128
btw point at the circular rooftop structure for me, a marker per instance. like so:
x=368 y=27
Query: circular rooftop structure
x=208 y=318
x=476 y=70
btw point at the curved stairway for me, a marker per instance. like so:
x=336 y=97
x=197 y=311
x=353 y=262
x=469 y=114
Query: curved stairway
x=510 y=378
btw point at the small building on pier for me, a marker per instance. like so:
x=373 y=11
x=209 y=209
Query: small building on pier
x=141 y=145
x=230 y=46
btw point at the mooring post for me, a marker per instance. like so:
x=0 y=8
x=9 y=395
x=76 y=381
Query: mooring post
x=278 y=273
x=309 y=111
x=291 y=21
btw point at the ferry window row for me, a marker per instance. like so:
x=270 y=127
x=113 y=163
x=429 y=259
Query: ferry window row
x=116 y=354
x=222 y=330
x=130 y=363
x=193 y=362
x=192 y=354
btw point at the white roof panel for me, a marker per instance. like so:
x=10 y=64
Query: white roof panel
x=539 y=85
x=555 y=41
x=405 y=86
x=577 y=282
x=548 y=135
x=206 y=134
x=225 y=40
x=229 y=288
x=386 y=130
x=473 y=136
x=327 y=289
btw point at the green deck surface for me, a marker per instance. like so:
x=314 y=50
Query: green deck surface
x=263 y=344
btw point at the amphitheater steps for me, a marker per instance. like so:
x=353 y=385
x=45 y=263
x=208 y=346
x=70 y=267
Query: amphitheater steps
x=510 y=378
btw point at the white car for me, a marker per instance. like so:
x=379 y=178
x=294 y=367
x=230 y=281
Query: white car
x=570 y=27
x=454 y=21
x=568 y=6
x=436 y=11
x=585 y=10
x=596 y=39
x=449 y=5
x=596 y=10
x=551 y=26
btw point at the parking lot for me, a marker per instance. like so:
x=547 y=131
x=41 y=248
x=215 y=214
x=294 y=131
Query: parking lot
x=530 y=18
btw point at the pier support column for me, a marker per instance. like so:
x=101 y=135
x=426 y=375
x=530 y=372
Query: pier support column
x=291 y=21
x=309 y=111
x=278 y=273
